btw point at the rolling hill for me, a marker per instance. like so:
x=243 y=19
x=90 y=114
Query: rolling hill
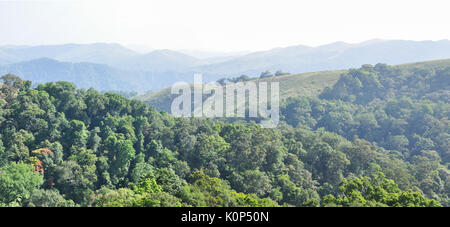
x=99 y=53
x=87 y=75
x=292 y=86
x=339 y=55
x=305 y=84
x=160 y=61
x=115 y=66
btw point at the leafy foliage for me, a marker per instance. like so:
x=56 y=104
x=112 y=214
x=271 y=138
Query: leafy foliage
x=62 y=146
x=376 y=191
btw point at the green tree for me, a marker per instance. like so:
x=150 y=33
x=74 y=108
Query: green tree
x=17 y=182
x=376 y=191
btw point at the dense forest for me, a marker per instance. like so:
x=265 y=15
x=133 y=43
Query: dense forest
x=380 y=136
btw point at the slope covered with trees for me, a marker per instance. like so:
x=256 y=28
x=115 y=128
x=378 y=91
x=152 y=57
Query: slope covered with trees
x=62 y=146
x=404 y=109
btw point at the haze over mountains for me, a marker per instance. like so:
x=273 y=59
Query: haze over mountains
x=115 y=67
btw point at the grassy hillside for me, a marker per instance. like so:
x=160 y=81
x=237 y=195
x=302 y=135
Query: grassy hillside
x=292 y=86
x=305 y=84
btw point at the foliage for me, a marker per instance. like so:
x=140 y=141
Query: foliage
x=376 y=191
x=62 y=146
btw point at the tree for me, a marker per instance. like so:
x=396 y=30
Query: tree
x=69 y=180
x=281 y=73
x=326 y=164
x=376 y=191
x=121 y=152
x=76 y=134
x=11 y=84
x=47 y=198
x=252 y=182
x=209 y=153
x=221 y=81
x=18 y=148
x=266 y=74
x=17 y=182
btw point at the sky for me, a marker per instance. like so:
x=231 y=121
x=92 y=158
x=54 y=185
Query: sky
x=220 y=25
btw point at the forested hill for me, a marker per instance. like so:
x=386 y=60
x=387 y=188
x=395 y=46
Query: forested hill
x=403 y=108
x=375 y=144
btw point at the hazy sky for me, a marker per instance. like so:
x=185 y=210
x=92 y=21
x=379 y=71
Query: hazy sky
x=225 y=25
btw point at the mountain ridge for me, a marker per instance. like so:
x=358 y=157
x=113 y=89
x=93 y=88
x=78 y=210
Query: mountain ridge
x=161 y=68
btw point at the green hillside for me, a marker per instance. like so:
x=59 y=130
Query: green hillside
x=372 y=136
x=291 y=86
x=62 y=146
x=403 y=108
x=305 y=84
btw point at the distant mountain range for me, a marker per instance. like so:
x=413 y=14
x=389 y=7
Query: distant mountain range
x=87 y=75
x=100 y=53
x=115 y=67
x=339 y=55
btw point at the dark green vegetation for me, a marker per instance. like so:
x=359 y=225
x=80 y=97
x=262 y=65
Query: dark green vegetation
x=379 y=136
x=403 y=109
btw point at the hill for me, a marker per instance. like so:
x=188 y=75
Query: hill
x=99 y=53
x=305 y=84
x=85 y=75
x=161 y=68
x=160 y=61
x=61 y=146
x=293 y=86
x=298 y=59
x=90 y=75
